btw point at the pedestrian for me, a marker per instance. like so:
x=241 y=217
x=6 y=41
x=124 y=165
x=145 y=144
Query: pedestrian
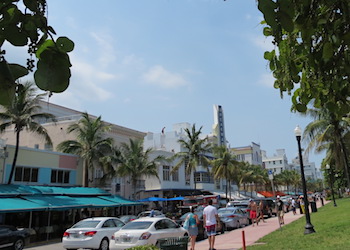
x=193 y=222
x=211 y=222
x=294 y=206
x=302 y=204
x=253 y=209
x=261 y=212
x=280 y=210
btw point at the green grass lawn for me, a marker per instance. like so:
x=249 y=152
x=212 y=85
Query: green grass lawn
x=332 y=226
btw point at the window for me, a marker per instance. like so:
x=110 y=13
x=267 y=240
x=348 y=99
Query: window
x=166 y=173
x=59 y=176
x=26 y=174
x=175 y=175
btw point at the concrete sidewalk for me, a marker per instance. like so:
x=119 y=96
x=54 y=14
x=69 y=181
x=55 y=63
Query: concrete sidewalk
x=231 y=240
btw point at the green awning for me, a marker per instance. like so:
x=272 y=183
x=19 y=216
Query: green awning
x=120 y=200
x=78 y=191
x=56 y=202
x=94 y=202
x=12 y=205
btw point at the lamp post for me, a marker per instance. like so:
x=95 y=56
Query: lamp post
x=330 y=172
x=309 y=228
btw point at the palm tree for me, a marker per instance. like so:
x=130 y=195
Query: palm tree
x=241 y=174
x=223 y=161
x=90 y=144
x=134 y=162
x=24 y=113
x=194 y=152
x=327 y=132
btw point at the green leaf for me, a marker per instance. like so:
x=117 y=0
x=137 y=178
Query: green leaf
x=15 y=36
x=7 y=84
x=286 y=21
x=267 y=7
x=32 y=5
x=301 y=107
x=327 y=52
x=65 y=44
x=44 y=46
x=18 y=71
x=267 y=31
x=53 y=71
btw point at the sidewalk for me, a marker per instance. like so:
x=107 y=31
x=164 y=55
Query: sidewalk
x=232 y=240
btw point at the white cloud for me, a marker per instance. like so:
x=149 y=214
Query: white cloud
x=105 y=48
x=159 y=76
x=266 y=80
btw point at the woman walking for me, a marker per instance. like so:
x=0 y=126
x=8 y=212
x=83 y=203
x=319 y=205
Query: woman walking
x=192 y=229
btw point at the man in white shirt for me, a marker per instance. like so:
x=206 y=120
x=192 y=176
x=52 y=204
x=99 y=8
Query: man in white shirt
x=210 y=222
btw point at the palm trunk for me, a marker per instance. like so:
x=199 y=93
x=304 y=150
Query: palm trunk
x=14 y=158
x=85 y=174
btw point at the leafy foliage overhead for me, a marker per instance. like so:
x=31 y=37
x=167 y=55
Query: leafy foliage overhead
x=312 y=41
x=29 y=28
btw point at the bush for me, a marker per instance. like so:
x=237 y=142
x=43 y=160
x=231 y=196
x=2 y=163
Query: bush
x=146 y=247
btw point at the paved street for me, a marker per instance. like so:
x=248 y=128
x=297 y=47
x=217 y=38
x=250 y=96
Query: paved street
x=228 y=241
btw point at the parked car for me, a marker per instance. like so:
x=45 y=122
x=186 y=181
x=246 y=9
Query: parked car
x=243 y=205
x=269 y=207
x=145 y=231
x=12 y=237
x=127 y=218
x=156 y=213
x=93 y=233
x=233 y=217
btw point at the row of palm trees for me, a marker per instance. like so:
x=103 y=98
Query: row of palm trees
x=131 y=159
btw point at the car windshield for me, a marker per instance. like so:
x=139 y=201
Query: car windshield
x=88 y=223
x=226 y=211
x=138 y=225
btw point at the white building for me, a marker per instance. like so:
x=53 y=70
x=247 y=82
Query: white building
x=250 y=154
x=276 y=163
x=310 y=170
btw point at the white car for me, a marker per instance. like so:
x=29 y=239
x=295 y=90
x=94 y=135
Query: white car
x=93 y=233
x=145 y=231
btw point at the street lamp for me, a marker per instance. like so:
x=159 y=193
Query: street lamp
x=309 y=228
x=330 y=173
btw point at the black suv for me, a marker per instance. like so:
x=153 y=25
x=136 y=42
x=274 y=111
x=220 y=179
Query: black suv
x=269 y=207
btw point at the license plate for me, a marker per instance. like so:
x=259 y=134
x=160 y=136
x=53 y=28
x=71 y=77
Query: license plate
x=126 y=239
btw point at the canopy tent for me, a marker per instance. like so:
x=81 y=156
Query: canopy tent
x=149 y=199
x=179 y=198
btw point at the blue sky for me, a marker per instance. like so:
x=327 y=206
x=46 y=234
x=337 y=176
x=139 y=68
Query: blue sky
x=147 y=64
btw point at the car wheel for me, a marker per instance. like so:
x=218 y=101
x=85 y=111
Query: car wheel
x=238 y=224
x=71 y=249
x=104 y=244
x=19 y=244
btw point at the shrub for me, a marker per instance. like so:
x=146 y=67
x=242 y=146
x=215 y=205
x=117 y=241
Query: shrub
x=146 y=247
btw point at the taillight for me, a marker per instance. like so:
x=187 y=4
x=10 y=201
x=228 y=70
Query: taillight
x=66 y=234
x=231 y=216
x=145 y=236
x=112 y=238
x=90 y=233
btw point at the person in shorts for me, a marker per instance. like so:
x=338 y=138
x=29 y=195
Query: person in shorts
x=211 y=222
x=193 y=221
x=253 y=209
x=280 y=210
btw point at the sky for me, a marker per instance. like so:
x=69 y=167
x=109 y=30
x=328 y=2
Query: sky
x=148 y=64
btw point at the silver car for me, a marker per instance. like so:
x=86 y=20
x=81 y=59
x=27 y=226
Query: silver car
x=233 y=217
x=93 y=233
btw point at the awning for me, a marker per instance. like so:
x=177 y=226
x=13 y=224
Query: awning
x=120 y=201
x=152 y=199
x=12 y=205
x=94 y=202
x=55 y=202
